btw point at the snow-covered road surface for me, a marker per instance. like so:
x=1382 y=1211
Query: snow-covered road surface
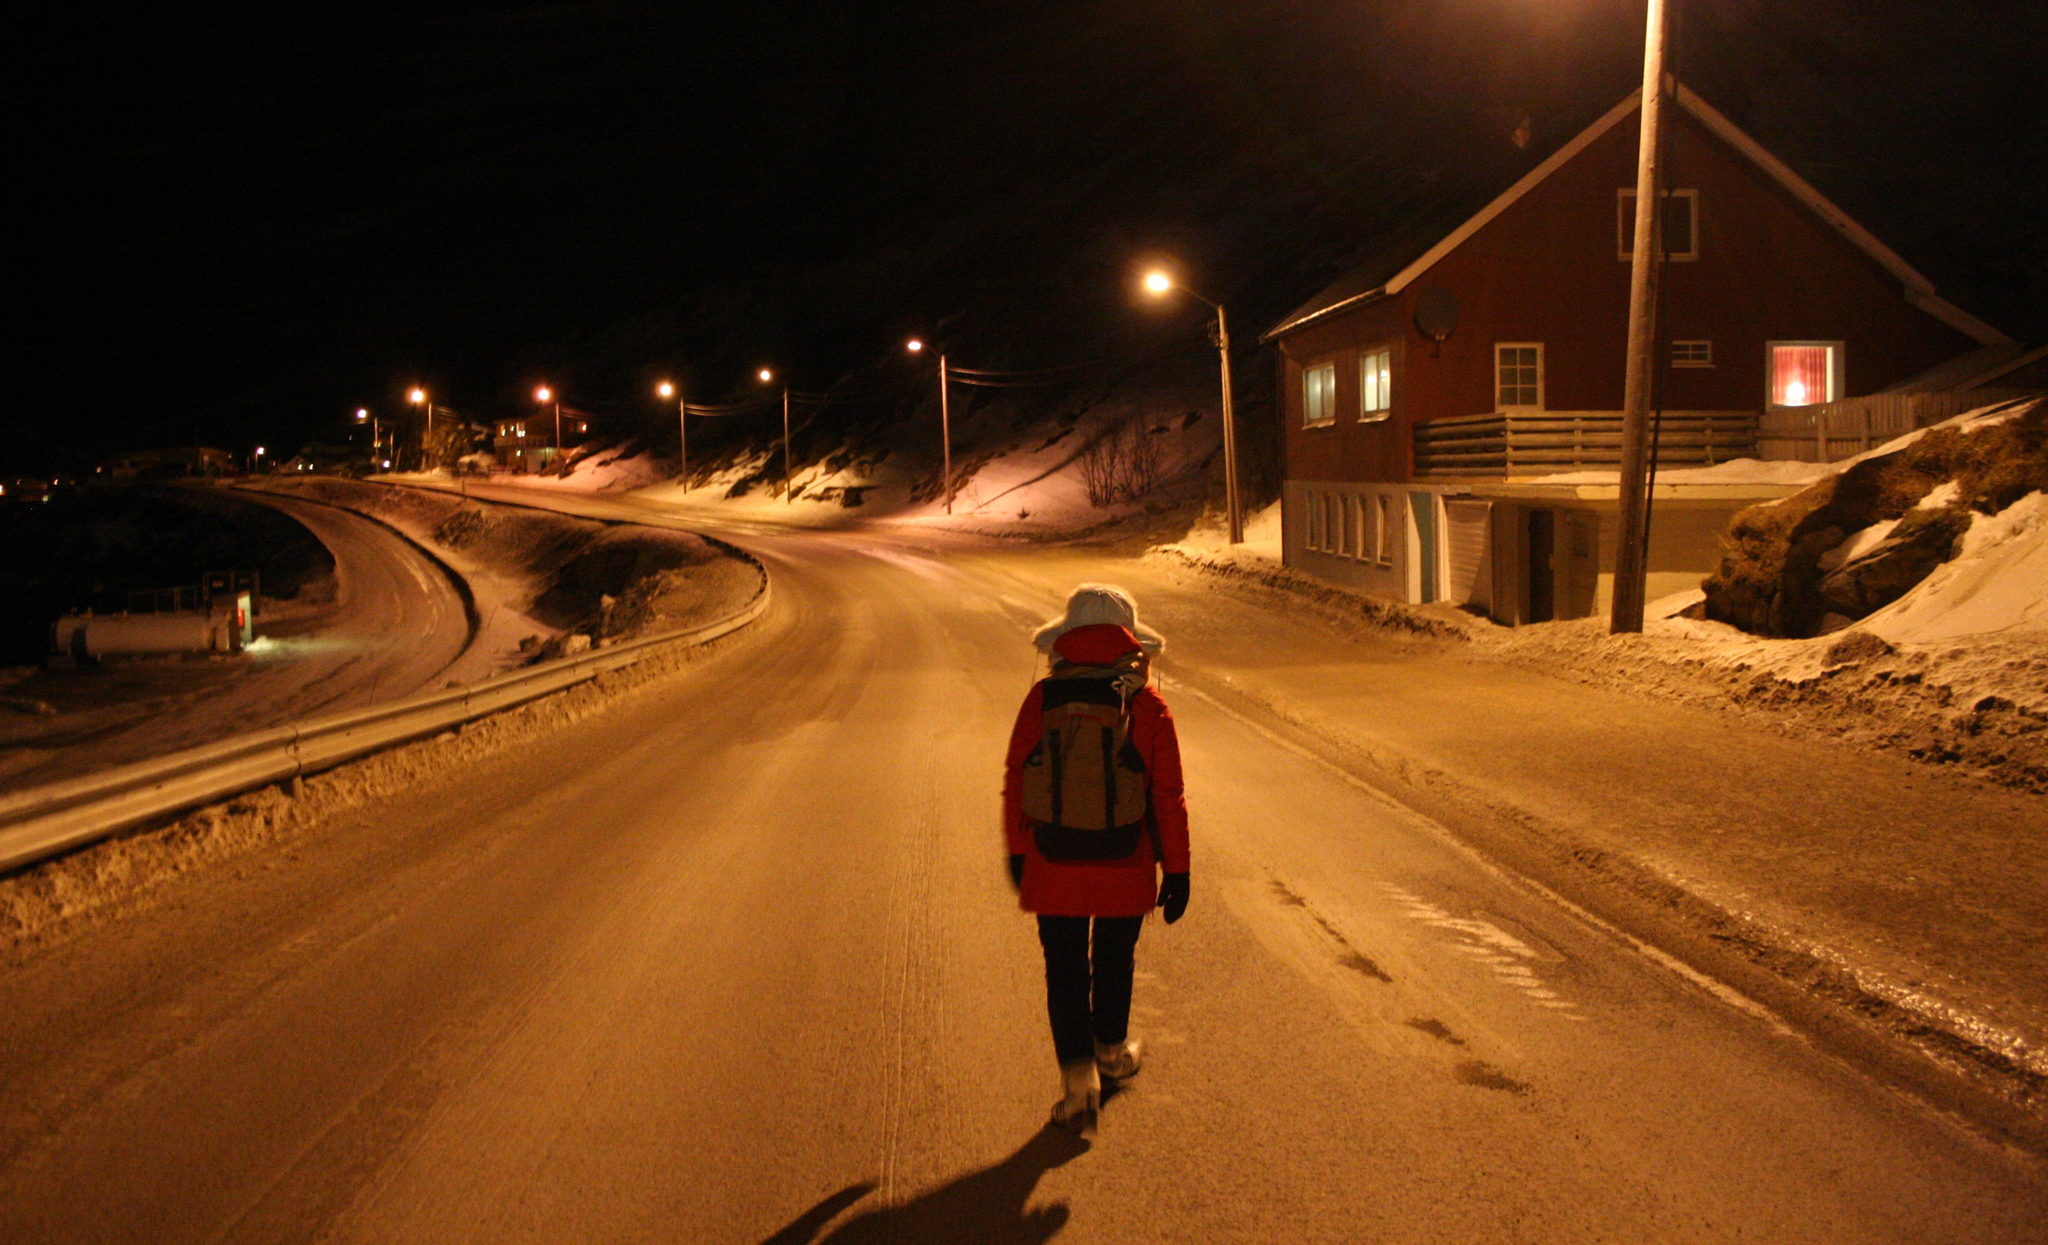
x=738 y=962
x=398 y=622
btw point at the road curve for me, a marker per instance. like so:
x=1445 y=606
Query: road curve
x=737 y=962
x=398 y=621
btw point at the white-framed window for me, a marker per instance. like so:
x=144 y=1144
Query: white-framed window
x=1383 y=531
x=1692 y=353
x=1319 y=395
x=1518 y=376
x=1375 y=385
x=1348 y=503
x=1333 y=523
x=1681 y=224
x=1313 y=538
x=1802 y=373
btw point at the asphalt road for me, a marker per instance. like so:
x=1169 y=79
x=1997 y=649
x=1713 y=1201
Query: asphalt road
x=738 y=962
x=398 y=621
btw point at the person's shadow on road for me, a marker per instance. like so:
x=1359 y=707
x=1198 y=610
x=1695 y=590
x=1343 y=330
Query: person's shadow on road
x=984 y=1207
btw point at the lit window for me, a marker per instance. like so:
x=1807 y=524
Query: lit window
x=1319 y=395
x=1375 y=385
x=1518 y=376
x=1805 y=373
x=1681 y=224
x=1692 y=354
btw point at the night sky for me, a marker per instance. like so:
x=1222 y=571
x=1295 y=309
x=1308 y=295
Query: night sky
x=245 y=221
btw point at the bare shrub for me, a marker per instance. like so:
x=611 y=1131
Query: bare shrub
x=1121 y=465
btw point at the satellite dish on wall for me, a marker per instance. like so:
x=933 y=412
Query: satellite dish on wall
x=1436 y=314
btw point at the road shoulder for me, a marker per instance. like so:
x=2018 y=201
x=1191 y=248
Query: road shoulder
x=1890 y=908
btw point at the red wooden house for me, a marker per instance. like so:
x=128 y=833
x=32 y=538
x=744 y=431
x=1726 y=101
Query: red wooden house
x=1452 y=408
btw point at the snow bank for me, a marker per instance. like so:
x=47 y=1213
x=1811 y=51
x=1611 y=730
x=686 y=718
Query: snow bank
x=1997 y=584
x=1024 y=481
x=1211 y=534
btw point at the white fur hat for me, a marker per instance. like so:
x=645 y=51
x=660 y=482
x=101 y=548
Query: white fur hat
x=1090 y=604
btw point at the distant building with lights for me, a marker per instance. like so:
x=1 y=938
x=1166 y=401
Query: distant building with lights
x=172 y=463
x=1451 y=408
x=526 y=443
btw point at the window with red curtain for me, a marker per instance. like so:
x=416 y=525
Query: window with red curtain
x=1802 y=375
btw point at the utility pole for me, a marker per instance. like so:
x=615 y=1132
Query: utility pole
x=1230 y=497
x=946 y=429
x=1645 y=267
x=788 y=497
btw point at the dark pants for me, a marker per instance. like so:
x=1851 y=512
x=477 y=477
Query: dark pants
x=1077 y=1022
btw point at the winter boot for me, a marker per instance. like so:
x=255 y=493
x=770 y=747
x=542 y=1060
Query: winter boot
x=1121 y=1061
x=1077 y=1110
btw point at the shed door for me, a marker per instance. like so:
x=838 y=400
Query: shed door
x=1423 y=507
x=1468 y=547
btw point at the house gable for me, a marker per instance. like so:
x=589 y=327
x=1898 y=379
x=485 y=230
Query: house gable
x=1917 y=290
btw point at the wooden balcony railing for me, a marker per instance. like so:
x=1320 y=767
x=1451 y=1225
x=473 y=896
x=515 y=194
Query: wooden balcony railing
x=1833 y=431
x=1544 y=442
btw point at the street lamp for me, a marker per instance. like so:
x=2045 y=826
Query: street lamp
x=668 y=390
x=545 y=395
x=418 y=397
x=916 y=346
x=766 y=376
x=376 y=431
x=1157 y=283
x=1645 y=266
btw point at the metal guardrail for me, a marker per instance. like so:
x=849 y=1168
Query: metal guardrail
x=43 y=821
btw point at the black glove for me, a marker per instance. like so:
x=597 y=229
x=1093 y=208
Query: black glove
x=1016 y=873
x=1173 y=896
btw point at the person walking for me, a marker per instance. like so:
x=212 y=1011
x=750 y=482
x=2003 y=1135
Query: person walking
x=1093 y=813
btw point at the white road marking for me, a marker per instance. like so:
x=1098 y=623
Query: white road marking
x=1719 y=990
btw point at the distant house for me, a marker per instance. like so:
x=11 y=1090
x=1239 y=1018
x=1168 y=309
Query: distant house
x=190 y=460
x=1452 y=407
x=527 y=442
x=316 y=456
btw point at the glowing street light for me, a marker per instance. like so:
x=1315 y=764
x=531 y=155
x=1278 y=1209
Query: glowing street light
x=916 y=346
x=767 y=376
x=544 y=395
x=363 y=416
x=418 y=397
x=1157 y=283
x=668 y=390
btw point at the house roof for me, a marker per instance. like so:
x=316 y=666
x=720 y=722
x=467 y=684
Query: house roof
x=1414 y=250
x=1973 y=369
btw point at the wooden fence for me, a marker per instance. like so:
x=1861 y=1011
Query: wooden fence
x=1832 y=431
x=1543 y=442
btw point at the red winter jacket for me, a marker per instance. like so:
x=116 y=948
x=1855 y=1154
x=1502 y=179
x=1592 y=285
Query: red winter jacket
x=1127 y=887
